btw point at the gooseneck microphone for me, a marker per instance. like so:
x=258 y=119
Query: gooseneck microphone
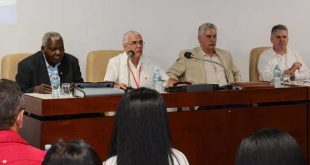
x=190 y=55
x=130 y=53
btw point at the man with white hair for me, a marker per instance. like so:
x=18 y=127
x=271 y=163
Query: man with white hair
x=34 y=72
x=214 y=66
x=132 y=68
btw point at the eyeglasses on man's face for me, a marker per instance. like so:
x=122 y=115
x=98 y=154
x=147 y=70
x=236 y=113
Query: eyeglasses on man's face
x=136 y=43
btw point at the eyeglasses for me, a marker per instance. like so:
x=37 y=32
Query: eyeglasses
x=136 y=43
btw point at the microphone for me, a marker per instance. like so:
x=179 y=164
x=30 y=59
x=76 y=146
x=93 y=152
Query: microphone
x=190 y=55
x=130 y=53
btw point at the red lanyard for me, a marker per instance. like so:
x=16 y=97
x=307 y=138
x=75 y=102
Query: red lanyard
x=137 y=82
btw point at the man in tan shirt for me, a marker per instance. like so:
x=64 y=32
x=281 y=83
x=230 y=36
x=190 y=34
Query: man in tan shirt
x=221 y=70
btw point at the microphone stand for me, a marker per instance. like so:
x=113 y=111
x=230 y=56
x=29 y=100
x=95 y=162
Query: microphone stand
x=128 y=69
x=214 y=62
x=130 y=53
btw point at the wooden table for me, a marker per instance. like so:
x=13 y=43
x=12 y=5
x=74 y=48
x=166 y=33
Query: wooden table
x=204 y=136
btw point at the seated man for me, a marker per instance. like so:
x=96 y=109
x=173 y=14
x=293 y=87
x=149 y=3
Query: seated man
x=289 y=61
x=213 y=66
x=14 y=150
x=34 y=72
x=131 y=68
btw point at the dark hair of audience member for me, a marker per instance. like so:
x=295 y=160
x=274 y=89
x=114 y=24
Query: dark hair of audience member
x=141 y=134
x=11 y=104
x=269 y=146
x=75 y=152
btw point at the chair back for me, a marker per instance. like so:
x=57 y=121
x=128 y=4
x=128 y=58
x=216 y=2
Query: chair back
x=97 y=62
x=9 y=64
x=254 y=57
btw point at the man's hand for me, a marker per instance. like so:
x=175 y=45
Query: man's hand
x=171 y=82
x=42 y=88
x=295 y=66
x=291 y=71
x=288 y=73
x=121 y=86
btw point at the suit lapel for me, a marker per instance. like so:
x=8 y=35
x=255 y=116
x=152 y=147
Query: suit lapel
x=43 y=74
x=222 y=58
x=224 y=61
x=198 y=52
x=62 y=68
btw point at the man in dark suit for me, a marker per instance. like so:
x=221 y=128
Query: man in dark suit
x=34 y=72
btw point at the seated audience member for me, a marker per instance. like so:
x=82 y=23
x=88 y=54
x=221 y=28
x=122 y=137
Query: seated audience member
x=289 y=61
x=269 y=147
x=141 y=134
x=219 y=69
x=75 y=152
x=34 y=72
x=138 y=70
x=14 y=150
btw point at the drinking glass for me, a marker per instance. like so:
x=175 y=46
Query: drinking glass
x=65 y=89
x=286 y=79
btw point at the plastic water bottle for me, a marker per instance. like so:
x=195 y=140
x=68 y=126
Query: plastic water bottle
x=55 y=83
x=157 y=81
x=277 y=76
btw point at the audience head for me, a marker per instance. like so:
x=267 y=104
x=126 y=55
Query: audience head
x=132 y=40
x=75 y=152
x=141 y=132
x=269 y=147
x=207 y=36
x=53 y=47
x=279 y=37
x=11 y=106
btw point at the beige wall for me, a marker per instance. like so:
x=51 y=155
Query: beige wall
x=168 y=26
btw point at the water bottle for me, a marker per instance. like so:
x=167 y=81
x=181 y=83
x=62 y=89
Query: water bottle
x=277 y=76
x=157 y=81
x=55 y=83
